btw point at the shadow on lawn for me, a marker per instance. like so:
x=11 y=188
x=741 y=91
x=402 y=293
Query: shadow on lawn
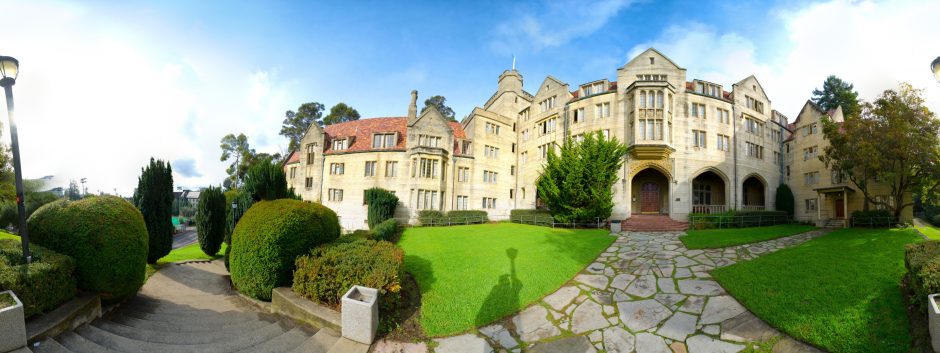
x=504 y=297
x=421 y=269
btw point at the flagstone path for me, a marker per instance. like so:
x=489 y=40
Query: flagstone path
x=647 y=293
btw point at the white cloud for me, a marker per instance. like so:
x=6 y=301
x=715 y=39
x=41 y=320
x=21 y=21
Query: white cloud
x=874 y=45
x=553 y=23
x=97 y=98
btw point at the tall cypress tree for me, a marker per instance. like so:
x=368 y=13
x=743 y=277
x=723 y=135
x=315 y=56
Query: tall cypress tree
x=154 y=199
x=211 y=220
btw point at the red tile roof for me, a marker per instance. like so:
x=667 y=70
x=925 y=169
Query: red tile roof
x=293 y=157
x=361 y=131
x=792 y=128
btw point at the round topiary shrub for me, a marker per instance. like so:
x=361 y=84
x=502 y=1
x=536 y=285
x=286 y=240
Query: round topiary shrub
x=106 y=236
x=270 y=236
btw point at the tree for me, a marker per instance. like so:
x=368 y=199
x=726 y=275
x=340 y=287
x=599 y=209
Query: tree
x=894 y=142
x=154 y=199
x=267 y=181
x=296 y=123
x=340 y=113
x=438 y=102
x=576 y=184
x=382 y=204
x=836 y=93
x=785 y=199
x=236 y=147
x=211 y=220
x=73 y=193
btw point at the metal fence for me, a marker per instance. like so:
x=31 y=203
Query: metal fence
x=726 y=221
x=873 y=222
x=445 y=221
x=548 y=221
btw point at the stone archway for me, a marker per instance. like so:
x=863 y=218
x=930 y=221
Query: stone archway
x=709 y=193
x=753 y=193
x=650 y=188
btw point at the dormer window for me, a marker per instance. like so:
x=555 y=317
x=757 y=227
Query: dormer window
x=340 y=144
x=384 y=140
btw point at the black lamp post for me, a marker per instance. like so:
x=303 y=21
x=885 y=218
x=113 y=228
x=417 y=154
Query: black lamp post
x=9 y=69
x=935 y=67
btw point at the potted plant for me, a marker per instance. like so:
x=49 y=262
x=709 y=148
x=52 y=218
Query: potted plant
x=12 y=322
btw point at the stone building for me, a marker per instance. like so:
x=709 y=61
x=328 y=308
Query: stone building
x=693 y=147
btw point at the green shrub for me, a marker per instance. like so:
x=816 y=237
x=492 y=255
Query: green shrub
x=382 y=204
x=211 y=220
x=926 y=281
x=330 y=270
x=270 y=236
x=242 y=203
x=388 y=230
x=531 y=216
x=154 y=199
x=105 y=235
x=936 y=220
x=360 y=234
x=42 y=285
x=916 y=255
x=471 y=216
x=738 y=219
x=266 y=181
x=430 y=217
x=872 y=218
x=784 y=199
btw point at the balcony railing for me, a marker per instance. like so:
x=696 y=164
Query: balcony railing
x=752 y=208
x=708 y=209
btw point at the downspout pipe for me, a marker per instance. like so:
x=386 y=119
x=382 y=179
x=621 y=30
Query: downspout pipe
x=734 y=127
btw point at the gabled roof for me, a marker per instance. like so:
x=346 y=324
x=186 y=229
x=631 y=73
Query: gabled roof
x=612 y=86
x=293 y=157
x=361 y=131
x=762 y=91
x=638 y=56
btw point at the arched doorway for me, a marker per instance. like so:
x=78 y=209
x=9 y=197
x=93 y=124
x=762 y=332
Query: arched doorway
x=753 y=194
x=650 y=190
x=708 y=193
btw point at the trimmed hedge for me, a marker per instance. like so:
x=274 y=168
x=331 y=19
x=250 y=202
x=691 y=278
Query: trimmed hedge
x=922 y=261
x=428 y=217
x=784 y=199
x=266 y=181
x=42 y=285
x=382 y=204
x=388 y=230
x=525 y=214
x=738 y=219
x=872 y=218
x=328 y=271
x=473 y=215
x=268 y=239
x=106 y=236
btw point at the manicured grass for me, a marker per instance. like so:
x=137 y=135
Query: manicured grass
x=930 y=231
x=719 y=238
x=840 y=292
x=473 y=275
x=7 y=235
x=191 y=252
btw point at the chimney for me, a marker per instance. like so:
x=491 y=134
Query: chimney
x=413 y=107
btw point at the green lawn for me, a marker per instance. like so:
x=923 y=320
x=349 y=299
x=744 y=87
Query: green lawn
x=189 y=253
x=930 y=231
x=473 y=275
x=7 y=235
x=719 y=238
x=840 y=292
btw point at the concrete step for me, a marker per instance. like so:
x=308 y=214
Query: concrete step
x=128 y=345
x=321 y=342
x=78 y=344
x=283 y=343
x=247 y=326
x=195 y=319
x=198 y=337
x=345 y=345
x=49 y=345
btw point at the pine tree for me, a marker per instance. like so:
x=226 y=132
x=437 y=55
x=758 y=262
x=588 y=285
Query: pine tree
x=211 y=220
x=382 y=204
x=154 y=199
x=837 y=93
x=785 y=199
x=267 y=181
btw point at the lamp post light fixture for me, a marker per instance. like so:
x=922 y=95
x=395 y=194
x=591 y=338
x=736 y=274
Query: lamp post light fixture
x=9 y=70
x=935 y=68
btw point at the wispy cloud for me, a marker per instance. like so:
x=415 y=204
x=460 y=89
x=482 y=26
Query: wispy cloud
x=553 y=23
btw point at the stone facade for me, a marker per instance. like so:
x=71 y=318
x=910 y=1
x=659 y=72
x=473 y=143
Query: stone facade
x=694 y=147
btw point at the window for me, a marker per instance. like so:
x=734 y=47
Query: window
x=547 y=104
x=543 y=150
x=293 y=172
x=339 y=145
x=837 y=177
x=810 y=152
x=701 y=194
x=391 y=169
x=311 y=147
x=383 y=140
x=788 y=172
x=754 y=104
x=602 y=110
x=578 y=115
x=651 y=129
x=489 y=202
x=651 y=77
x=513 y=147
x=547 y=126
x=489 y=177
x=337 y=168
x=755 y=151
x=429 y=141
x=512 y=170
x=492 y=129
x=524 y=114
x=511 y=194
x=370 y=169
x=811 y=178
x=335 y=195
x=428 y=168
x=814 y=129
x=463 y=174
x=462 y=203
x=427 y=200
x=606 y=133
x=308 y=183
x=490 y=151
x=724 y=143
x=525 y=135
x=642 y=99
x=524 y=157
x=698 y=110
x=777 y=158
x=698 y=138
x=724 y=116
x=753 y=126
x=810 y=205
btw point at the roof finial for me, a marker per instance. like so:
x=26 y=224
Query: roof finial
x=513 y=62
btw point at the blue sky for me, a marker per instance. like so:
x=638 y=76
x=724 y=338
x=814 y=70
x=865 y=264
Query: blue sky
x=110 y=84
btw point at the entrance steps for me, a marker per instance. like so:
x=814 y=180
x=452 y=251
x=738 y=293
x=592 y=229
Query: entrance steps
x=834 y=223
x=653 y=223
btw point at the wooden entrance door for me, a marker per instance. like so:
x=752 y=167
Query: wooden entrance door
x=650 y=198
x=840 y=208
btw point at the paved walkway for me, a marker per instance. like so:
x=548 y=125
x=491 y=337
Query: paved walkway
x=647 y=293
